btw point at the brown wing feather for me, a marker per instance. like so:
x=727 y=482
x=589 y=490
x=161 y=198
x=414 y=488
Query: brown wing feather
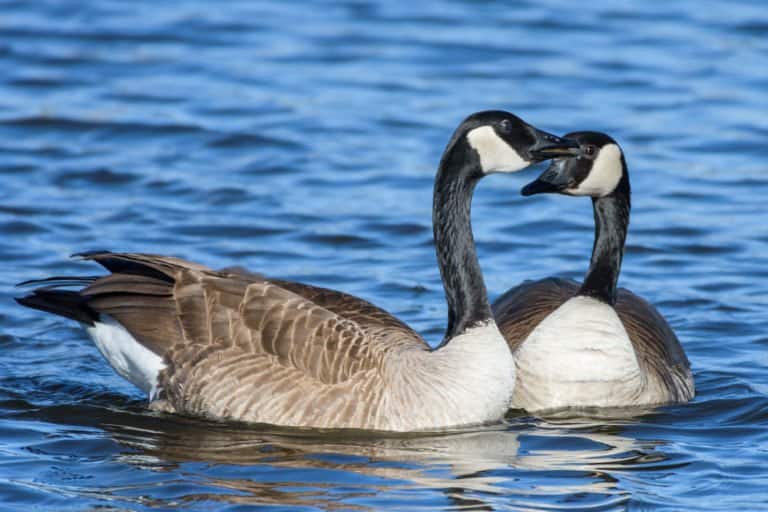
x=144 y=305
x=345 y=305
x=657 y=348
x=264 y=318
x=348 y=306
x=148 y=280
x=254 y=350
x=235 y=333
x=139 y=295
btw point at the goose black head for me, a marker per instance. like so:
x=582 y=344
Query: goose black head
x=597 y=170
x=497 y=141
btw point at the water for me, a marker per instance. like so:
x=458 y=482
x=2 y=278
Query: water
x=302 y=142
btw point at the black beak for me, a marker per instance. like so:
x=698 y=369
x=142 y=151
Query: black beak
x=547 y=146
x=555 y=179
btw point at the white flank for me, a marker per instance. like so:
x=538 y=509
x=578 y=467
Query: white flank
x=578 y=356
x=496 y=155
x=604 y=175
x=130 y=359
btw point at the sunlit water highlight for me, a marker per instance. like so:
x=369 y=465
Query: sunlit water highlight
x=302 y=142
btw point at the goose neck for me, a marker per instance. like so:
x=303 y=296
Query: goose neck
x=465 y=291
x=611 y=222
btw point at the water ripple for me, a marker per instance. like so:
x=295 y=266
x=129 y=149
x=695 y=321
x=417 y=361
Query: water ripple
x=301 y=142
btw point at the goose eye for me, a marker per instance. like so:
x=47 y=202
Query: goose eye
x=505 y=125
x=590 y=150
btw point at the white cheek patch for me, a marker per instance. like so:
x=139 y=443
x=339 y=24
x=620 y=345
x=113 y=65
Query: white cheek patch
x=495 y=154
x=604 y=176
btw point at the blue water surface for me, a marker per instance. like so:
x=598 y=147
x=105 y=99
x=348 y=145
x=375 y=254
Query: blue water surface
x=300 y=140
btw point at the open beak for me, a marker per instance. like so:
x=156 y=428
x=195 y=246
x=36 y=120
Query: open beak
x=551 y=146
x=555 y=178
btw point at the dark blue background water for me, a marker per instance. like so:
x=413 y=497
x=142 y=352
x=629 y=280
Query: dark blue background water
x=301 y=141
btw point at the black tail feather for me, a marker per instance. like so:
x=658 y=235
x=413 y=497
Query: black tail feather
x=127 y=263
x=67 y=303
x=60 y=282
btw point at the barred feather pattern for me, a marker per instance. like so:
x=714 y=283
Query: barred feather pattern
x=238 y=346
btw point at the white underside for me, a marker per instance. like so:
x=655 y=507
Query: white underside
x=578 y=356
x=129 y=358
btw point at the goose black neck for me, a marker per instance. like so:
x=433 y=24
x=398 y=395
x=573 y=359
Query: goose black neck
x=611 y=222
x=465 y=290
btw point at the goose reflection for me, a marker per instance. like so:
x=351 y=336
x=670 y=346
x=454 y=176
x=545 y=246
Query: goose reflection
x=478 y=469
x=456 y=464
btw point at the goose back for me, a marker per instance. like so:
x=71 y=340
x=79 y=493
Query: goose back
x=343 y=304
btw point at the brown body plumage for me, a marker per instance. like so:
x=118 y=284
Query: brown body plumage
x=241 y=346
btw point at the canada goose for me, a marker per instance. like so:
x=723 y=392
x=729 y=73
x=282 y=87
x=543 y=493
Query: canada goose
x=591 y=345
x=232 y=345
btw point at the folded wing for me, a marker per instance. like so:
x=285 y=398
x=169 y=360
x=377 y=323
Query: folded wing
x=241 y=346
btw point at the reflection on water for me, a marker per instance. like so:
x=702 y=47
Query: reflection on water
x=452 y=464
x=301 y=142
x=518 y=463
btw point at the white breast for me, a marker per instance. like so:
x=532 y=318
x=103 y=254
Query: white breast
x=478 y=372
x=469 y=381
x=130 y=359
x=578 y=356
